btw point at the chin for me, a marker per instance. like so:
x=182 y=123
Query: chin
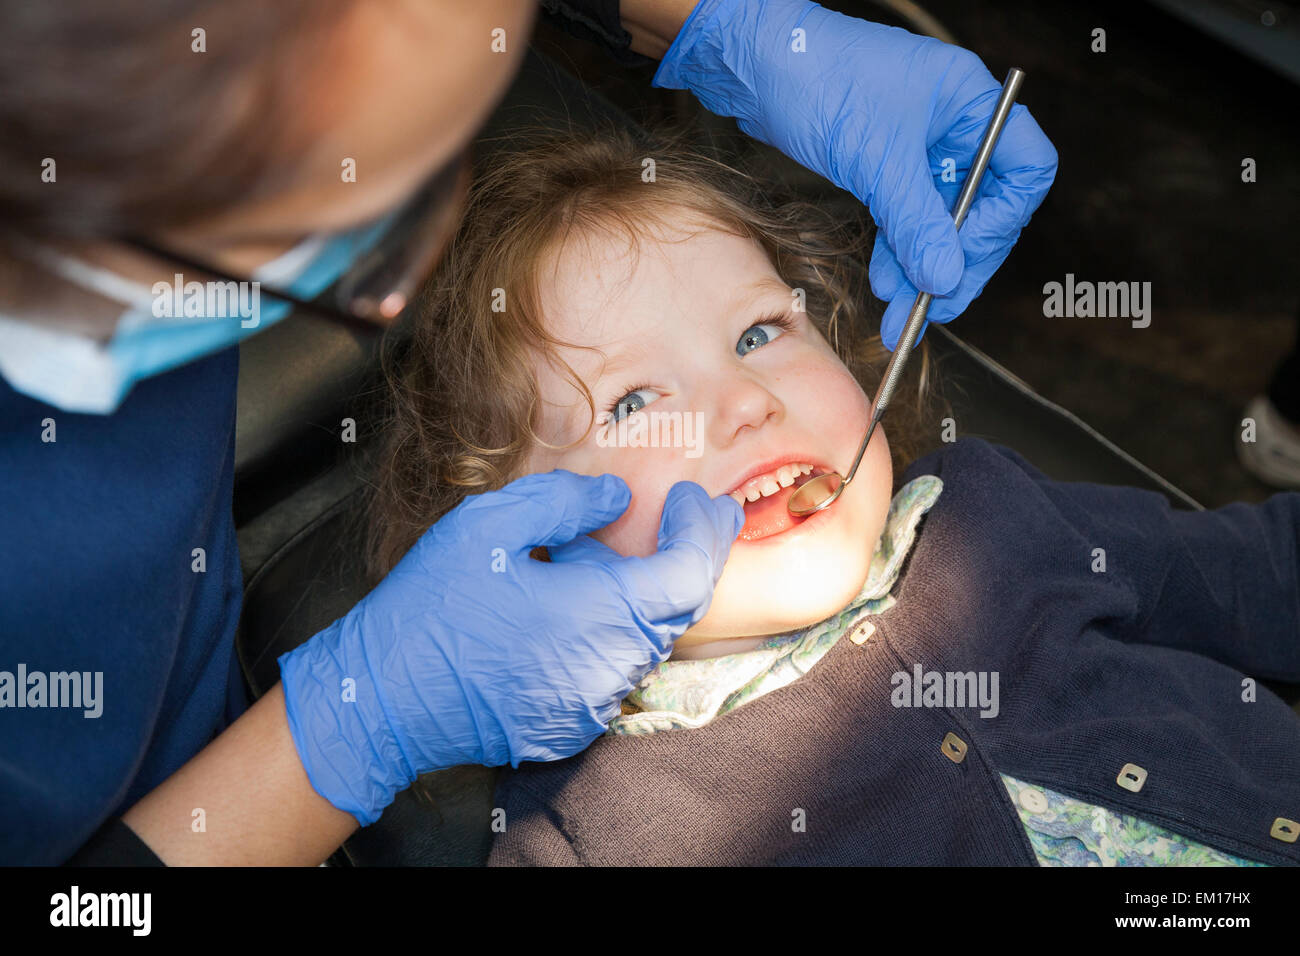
x=796 y=602
x=792 y=580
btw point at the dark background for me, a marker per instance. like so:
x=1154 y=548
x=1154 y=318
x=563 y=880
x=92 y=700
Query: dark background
x=1151 y=136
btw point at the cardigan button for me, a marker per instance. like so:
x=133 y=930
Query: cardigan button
x=1035 y=801
x=1131 y=777
x=954 y=748
x=1285 y=830
x=862 y=633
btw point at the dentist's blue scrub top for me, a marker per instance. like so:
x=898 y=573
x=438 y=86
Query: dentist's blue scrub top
x=97 y=537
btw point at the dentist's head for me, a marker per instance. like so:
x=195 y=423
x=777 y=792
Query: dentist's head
x=269 y=141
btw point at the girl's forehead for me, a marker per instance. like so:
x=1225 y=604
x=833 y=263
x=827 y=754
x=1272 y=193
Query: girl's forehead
x=599 y=281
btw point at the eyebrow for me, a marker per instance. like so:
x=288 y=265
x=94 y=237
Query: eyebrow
x=616 y=364
x=745 y=300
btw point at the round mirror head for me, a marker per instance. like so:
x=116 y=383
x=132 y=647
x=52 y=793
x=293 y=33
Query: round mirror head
x=814 y=495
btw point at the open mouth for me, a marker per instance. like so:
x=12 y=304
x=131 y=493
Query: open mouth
x=765 y=498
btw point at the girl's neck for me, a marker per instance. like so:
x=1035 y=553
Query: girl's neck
x=718 y=648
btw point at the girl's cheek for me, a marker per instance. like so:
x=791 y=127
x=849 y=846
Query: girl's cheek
x=636 y=532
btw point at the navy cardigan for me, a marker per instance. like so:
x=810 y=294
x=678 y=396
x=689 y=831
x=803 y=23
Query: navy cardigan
x=1142 y=663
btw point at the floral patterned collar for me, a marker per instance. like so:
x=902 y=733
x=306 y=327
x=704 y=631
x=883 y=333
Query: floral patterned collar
x=690 y=693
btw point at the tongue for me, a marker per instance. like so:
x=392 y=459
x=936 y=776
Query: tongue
x=768 y=516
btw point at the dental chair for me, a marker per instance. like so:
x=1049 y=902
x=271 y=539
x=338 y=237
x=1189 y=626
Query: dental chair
x=298 y=490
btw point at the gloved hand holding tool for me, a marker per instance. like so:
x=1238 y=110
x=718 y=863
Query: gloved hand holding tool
x=892 y=117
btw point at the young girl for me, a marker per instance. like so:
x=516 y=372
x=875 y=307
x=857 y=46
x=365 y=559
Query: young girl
x=959 y=662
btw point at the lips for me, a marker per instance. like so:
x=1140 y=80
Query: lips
x=765 y=495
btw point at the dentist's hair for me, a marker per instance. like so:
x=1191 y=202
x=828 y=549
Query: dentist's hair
x=147 y=133
x=463 y=399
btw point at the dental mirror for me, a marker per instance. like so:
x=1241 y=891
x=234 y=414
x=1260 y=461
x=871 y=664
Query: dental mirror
x=818 y=494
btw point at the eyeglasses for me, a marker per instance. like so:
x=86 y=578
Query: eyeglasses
x=379 y=287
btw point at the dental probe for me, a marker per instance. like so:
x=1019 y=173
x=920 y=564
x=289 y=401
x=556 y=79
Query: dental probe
x=817 y=494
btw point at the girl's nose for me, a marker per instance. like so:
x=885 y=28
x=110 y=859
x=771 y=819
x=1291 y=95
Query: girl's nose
x=741 y=403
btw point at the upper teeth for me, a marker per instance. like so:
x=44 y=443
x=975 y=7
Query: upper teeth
x=769 y=484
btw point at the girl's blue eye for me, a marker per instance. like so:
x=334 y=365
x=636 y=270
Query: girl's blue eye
x=756 y=336
x=629 y=403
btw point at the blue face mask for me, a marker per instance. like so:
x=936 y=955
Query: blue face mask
x=167 y=325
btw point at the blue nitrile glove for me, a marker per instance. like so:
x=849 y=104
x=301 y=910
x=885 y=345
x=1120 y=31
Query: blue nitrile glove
x=876 y=110
x=471 y=652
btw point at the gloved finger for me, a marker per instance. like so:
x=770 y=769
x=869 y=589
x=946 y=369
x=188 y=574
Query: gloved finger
x=1009 y=195
x=989 y=231
x=671 y=589
x=916 y=224
x=550 y=508
x=886 y=275
x=1020 y=173
x=989 y=246
x=1025 y=161
x=896 y=313
x=686 y=504
x=945 y=309
x=972 y=284
x=611 y=710
x=997 y=204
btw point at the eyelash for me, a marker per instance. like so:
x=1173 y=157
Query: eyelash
x=781 y=320
x=613 y=407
